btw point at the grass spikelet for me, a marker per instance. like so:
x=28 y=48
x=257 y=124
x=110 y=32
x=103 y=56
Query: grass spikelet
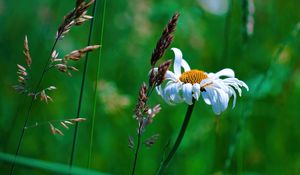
x=26 y=52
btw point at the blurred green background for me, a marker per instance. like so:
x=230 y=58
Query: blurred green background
x=260 y=136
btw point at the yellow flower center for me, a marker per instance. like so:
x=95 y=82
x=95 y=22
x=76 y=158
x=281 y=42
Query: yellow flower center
x=192 y=76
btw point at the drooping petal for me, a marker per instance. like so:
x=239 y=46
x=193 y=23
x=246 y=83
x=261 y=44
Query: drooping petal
x=213 y=98
x=209 y=95
x=232 y=92
x=161 y=92
x=224 y=72
x=171 y=76
x=168 y=91
x=196 y=91
x=175 y=90
x=218 y=83
x=234 y=83
x=177 y=61
x=244 y=85
x=223 y=99
x=206 y=98
x=187 y=93
x=185 y=65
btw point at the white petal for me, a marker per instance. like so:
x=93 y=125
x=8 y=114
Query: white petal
x=206 y=98
x=223 y=99
x=213 y=96
x=196 y=91
x=209 y=95
x=245 y=85
x=177 y=61
x=187 y=93
x=221 y=102
x=162 y=93
x=234 y=96
x=175 y=90
x=171 y=76
x=185 y=65
x=218 y=83
x=224 y=72
x=168 y=91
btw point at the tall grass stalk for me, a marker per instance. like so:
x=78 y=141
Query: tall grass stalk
x=54 y=4
x=137 y=150
x=31 y=104
x=165 y=162
x=82 y=87
x=95 y=87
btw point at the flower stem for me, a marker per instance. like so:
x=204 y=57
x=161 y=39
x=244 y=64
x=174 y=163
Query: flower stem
x=137 y=148
x=185 y=123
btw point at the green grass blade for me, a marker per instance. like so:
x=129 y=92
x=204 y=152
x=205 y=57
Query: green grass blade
x=45 y=165
x=95 y=88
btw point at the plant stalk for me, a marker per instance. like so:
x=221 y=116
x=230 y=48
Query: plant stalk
x=95 y=88
x=185 y=123
x=31 y=105
x=82 y=89
x=137 y=148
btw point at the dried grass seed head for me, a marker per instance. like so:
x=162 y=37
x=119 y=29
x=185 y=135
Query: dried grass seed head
x=74 y=17
x=26 y=52
x=165 y=40
x=77 y=54
x=142 y=100
x=162 y=69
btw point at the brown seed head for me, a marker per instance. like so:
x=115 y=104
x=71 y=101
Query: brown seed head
x=52 y=129
x=26 y=52
x=59 y=132
x=162 y=69
x=78 y=119
x=165 y=40
x=77 y=54
x=75 y=17
x=142 y=100
x=64 y=125
x=62 y=67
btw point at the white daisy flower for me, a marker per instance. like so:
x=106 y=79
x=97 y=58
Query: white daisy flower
x=183 y=87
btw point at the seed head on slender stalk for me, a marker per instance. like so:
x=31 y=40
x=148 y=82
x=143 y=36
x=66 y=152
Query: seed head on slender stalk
x=165 y=40
x=157 y=77
x=26 y=52
x=143 y=113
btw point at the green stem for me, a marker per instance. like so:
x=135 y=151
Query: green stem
x=185 y=123
x=82 y=89
x=31 y=105
x=137 y=148
x=95 y=88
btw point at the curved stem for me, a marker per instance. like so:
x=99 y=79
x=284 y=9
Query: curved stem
x=185 y=123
